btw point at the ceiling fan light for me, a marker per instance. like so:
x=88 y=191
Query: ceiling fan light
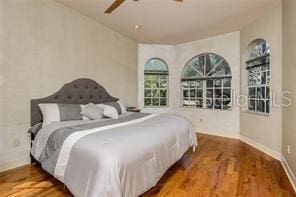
x=137 y=27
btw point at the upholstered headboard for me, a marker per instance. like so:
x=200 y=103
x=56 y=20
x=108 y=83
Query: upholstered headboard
x=79 y=91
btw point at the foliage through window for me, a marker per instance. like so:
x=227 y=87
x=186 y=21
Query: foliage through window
x=206 y=82
x=156 y=83
x=258 y=67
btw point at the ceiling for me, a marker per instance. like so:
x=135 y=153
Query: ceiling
x=171 y=22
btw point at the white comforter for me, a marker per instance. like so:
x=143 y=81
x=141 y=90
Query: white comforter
x=123 y=159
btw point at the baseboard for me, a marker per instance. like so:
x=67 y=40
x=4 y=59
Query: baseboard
x=275 y=154
x=289 y=172
x=232 y=136
x=14 y=164
x=261 y=147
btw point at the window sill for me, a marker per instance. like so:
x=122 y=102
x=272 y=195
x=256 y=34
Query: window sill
x=256 y=113
x=208 y=109
x=155 y=107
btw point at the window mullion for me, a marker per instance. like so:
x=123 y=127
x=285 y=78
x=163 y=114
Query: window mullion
x=213 y=95
x=265 y=99
x=256 y=93
x=205 y=64
x=204 y=90
x=204 y=83
x=195 y=92
x=196 y=70
x=158 y=91
x=215 y=67
x=222 y=94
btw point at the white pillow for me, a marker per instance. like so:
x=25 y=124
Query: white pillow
x=122 y=107
x=83 y=117
x=50 y=113
x=56 y=112
x=109 y=111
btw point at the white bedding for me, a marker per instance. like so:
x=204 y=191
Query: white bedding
x=120 y=159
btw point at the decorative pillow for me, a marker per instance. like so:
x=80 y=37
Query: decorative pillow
x=118 y=106
x=83 y=117
x=122 y=107
x=53 y=112
x=109 y=111
x=114 y=105
x=92 y=111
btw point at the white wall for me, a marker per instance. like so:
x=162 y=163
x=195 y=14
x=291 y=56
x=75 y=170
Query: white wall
x=44 y=45
x=265 y=130
x=289 y=74
x=217 y=122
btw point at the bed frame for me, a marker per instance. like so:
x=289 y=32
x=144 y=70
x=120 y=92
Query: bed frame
x=79 y=91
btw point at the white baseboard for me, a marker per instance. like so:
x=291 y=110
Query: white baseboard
x=232 y=136
x=274 y=154
x=14 y=164
x=289 y=172
x=269 y=151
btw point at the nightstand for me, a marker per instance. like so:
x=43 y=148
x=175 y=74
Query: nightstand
x=133 y=109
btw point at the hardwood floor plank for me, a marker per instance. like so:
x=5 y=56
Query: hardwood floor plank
x=219 y=167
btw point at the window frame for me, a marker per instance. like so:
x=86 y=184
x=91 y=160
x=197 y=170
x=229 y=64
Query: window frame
x=158 y=74
x=259 y=73
x=204 y=88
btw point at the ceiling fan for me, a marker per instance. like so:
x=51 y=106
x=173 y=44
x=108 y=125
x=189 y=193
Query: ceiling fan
x=117 y=3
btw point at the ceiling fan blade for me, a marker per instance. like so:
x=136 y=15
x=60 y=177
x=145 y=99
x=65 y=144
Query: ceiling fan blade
x=114 y=6
x=179 y=0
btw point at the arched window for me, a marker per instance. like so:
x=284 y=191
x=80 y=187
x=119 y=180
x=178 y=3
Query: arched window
x=156 y=83
x=206 y=82
x=258 y=67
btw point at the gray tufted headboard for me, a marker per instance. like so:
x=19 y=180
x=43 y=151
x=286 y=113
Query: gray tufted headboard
x=79 y=91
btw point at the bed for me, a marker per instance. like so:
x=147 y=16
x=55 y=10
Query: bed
x=109 y=157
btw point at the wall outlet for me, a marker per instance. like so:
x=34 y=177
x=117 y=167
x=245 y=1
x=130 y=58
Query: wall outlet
x=289 y=149
x=16 y=143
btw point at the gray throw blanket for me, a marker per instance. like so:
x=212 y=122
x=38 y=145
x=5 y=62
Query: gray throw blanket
x=50 y=153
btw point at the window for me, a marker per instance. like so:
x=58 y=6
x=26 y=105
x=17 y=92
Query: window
x=156 y=83
x=258 y=67
x=206 y=82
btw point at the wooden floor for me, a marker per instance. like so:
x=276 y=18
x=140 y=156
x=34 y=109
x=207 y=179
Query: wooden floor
x=219 y=167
